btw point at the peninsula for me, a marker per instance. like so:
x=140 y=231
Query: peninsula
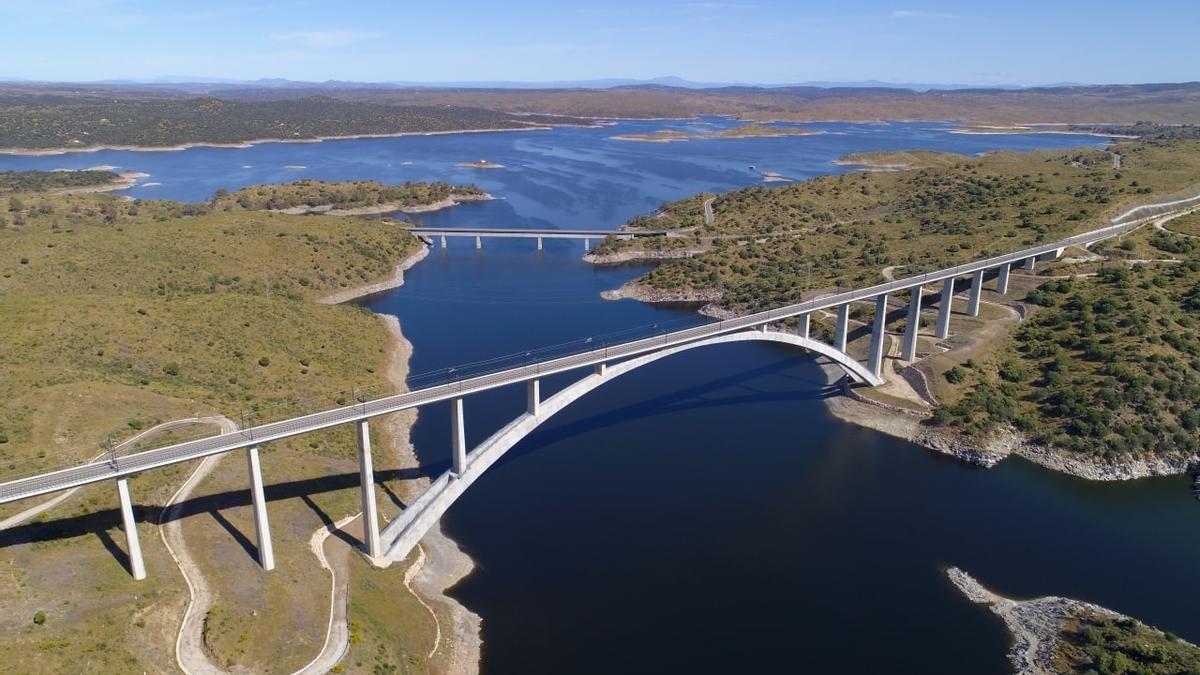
x=351 y=198
x=743 y=131
x=1063 y=384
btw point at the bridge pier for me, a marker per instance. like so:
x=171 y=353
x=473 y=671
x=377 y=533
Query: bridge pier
x=1002 y=280
x=976 y=293
x=262 y=527
x=805 y=324
x=533 y=397
x=587 y=245
x=366 y=475
x=539 y=239
x=458 y=437
x=912 y=325
x=133 y=547
x=945 y=307
x=602 y=369
x=1030 y=263
x=843 y=327
x=875 y=363
x=478 y=243
x=443 y=241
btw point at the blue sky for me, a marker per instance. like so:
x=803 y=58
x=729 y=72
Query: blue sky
x=753 y=41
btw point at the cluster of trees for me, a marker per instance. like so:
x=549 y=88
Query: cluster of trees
x=346 y=195
x=1116 y=646
x=1108 y=365
x=767 y=245
x=130 y=120
x=42 y=181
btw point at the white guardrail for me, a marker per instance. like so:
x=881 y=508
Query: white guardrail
x=181 y=452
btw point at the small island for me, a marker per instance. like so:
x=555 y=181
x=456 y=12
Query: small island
x=480 y=164
x=755 y=130
x=353 y=198
x=900 y=160
x=66 y=180
x=1062 y=635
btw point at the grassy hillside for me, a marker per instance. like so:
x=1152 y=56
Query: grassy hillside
x=768 y=245
x=40 y=181
x=348 y=195
x=125 y=313
x=1108 y=365
x=81 y=122
x=1096 y=644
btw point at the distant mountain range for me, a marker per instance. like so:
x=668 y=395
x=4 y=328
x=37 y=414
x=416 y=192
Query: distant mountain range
x=199 y=84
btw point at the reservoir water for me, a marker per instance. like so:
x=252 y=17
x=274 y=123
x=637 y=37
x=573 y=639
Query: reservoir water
x=705 y=513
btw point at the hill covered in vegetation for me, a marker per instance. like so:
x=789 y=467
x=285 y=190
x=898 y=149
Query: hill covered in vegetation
x=767 y=246
x=59 y=122
x=308 y=193
x=46 y=181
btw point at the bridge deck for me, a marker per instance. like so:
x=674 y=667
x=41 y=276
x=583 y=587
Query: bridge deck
x=531 y=232
x=181 y=452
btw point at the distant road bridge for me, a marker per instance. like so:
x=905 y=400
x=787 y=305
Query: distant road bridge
x=528 y=233
x=602 y=363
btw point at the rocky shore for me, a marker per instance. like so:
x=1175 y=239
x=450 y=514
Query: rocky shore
x=639 y=291
x=1035 y=624
x=636 y=255
x=390 y=207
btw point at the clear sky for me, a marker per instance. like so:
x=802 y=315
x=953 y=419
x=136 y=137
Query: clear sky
x=770 y=41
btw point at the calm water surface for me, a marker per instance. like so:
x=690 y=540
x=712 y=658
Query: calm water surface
x=705 y=513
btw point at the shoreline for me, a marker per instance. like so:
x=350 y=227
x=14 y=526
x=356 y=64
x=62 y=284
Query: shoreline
x=443 y=564
x=391 y=207
x=47 y=152
x=853 y=408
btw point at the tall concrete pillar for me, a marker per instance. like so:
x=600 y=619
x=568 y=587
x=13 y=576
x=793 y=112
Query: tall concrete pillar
x=843 y=327
x=875 y=362
x=587 y=245
x=262 y=527
x=601 y=369
x=1002 y=280
x=443 y=241
x=976 y=293
x=458 y=437
x=533 y=397
x=366 y=477
x=539 y=243
x=133 y=547
x=478 y=242
x=1030 y=263
x=945 y=307
x=805 y=325
x=912 y=325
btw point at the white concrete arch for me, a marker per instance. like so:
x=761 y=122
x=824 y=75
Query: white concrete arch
x=403 y=533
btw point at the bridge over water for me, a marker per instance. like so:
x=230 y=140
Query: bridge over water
x=600 y=364
x=528 y=233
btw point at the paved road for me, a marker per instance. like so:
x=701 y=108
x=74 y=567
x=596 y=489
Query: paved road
x=708 y=212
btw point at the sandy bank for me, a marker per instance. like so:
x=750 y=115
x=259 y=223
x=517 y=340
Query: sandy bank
x=41 y=152
x=395 y=281
x=327 y=209
x=442 y=564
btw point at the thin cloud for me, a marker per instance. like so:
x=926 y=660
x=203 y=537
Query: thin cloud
x=324 y=39
x=919 y=14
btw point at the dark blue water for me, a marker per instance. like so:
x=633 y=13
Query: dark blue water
x=705 y=513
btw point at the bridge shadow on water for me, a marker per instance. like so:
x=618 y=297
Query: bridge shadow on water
x=700 y=396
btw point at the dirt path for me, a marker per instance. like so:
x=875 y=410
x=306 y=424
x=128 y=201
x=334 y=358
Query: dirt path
x=333 y=553
x=189 y=644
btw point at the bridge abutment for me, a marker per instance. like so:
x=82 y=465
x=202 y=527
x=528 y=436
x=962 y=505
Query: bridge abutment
x=133 y=546
x=875 y=363
x=976 y=293
x=843 y=327
x=366 y=474
x=458 y=437
x=912 y=325
x=533 y=397
x=262 y=526
x=945 y=308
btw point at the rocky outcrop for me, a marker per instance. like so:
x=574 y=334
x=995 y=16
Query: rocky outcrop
x=635 y=255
